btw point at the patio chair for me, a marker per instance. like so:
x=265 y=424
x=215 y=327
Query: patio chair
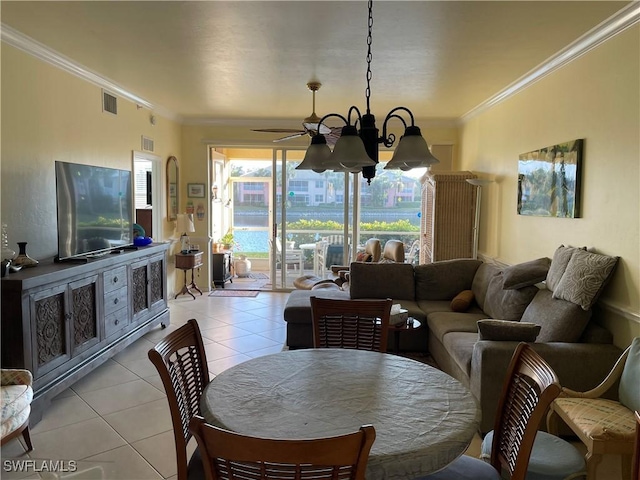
x=182 y=364
x=293 y=257
x=229 y=455
x=359 y=324
x=604 y=426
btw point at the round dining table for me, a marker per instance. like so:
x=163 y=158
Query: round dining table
x=424 y=419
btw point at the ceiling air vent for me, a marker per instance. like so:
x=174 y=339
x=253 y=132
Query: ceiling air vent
x=109 y=103
x=147 y=144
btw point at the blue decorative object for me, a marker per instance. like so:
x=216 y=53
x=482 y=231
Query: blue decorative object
x=142 y=241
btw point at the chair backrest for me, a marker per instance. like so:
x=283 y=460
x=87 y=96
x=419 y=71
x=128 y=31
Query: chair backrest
x=629 y=389
x=227 y=455
x=530 y=387
x=359 y=324
x=182 y=364
x=414 y=250
x=636 y=452
x=373 y=248
x=394 y=251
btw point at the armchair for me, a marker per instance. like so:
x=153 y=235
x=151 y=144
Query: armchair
x=17 y=393
x=604 y=426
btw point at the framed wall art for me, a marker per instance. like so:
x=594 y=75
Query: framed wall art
x=549 y=181
x=195 y=190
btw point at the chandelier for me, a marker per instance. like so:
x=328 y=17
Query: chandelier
x=357 y=148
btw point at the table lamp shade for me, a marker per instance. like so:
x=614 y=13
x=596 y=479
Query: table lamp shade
x=184 y=224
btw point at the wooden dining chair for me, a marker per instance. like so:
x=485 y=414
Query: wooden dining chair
x=227 y=455
x=182 y=364
x=359 y=324
x=515 y=447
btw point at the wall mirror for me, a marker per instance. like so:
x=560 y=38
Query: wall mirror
x=172 y=188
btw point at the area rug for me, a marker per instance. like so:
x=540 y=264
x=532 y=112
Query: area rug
x=258 y=276
x=234 y=293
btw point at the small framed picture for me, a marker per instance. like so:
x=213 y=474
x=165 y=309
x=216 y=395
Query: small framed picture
x=195 y=190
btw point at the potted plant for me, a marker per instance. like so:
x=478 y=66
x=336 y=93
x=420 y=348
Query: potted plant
x=227 y=240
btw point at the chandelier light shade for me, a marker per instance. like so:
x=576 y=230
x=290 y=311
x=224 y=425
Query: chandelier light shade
x=357 y=148
x=317 y=155
x=412 y=152
x=349 y=151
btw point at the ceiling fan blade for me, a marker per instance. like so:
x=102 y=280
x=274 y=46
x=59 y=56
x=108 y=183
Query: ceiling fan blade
x=324 y=130
x=289 y=137
x=277 y=130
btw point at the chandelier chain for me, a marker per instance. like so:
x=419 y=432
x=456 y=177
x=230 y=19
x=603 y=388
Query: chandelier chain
x=367 y=91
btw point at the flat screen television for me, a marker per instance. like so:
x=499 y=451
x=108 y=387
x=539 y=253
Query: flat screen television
x=95 y=212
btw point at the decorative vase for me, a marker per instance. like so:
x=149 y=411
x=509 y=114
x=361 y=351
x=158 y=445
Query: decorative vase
x=24 y=260
x=242 y=266
x=7 y=253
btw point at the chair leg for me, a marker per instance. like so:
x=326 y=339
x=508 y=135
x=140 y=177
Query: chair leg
x=625 y=466
x=27 y=439
x=592 y=464
x=552 y=422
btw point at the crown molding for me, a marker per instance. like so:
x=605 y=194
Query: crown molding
x=27 y=44
x=618 y=22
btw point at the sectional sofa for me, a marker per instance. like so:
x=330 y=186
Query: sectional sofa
x=473 y=314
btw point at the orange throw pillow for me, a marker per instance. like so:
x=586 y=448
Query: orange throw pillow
x=462 y=301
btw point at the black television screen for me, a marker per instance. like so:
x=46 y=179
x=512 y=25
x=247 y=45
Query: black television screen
x=94 y=209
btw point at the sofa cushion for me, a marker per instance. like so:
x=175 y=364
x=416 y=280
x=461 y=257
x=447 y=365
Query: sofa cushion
x=460 y=347
x=441 y=323
x=559 y=263
x=481 y=280
x=585 y=277
x=382 y=280
x=561 y=321
x=526 y=274
x=505 y=330
x=507 y=304
x=444 y=280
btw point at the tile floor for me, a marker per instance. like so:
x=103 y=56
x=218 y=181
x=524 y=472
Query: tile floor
x=115 y=422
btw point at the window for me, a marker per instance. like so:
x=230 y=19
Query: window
x=299 y=185
x=319 y=198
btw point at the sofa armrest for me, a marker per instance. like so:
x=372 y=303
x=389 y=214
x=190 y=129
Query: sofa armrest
x=490 y=360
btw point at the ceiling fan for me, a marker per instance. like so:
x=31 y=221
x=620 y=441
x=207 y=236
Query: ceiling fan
x=310 y=125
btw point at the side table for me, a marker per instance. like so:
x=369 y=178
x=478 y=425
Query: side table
x=189 y=261
x=410 y=325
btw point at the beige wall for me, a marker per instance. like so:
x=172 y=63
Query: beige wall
x=596 y=97
x=49 y=115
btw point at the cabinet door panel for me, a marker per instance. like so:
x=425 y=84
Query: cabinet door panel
x=157 y=280
x=139 y=284
x=50 y=337
x=84 y=314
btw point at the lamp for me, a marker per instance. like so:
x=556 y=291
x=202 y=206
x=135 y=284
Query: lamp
x=184 y=224
x=357 y=148
x=478 y=183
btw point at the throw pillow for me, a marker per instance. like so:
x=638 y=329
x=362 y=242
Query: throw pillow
x=462 y=301
x=526 y=274
x=506 y=304
x=585 y=277
x=504 y=330
x=480 y=283
x=559 y=264
x=561 y=321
